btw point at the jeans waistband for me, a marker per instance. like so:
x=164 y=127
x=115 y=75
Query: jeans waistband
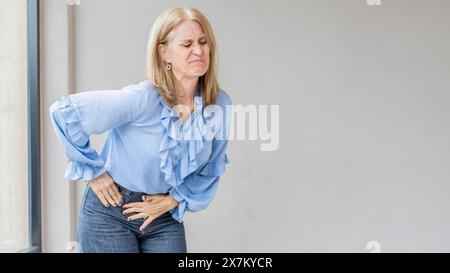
x=123 y=189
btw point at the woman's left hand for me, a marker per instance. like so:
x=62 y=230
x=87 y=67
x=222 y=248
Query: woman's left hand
x=151 y=207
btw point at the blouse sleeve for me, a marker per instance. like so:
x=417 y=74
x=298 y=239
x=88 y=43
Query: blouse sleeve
x=199 y=188
x=75 y=117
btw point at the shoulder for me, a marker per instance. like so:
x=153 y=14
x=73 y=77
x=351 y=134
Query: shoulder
x=142 y=95
x=224 y=101
x=142 y=89
x=223 y=98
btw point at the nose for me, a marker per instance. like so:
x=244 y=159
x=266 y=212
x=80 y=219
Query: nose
x=197 y=50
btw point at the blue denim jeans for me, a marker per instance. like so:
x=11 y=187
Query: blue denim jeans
x=106 y=229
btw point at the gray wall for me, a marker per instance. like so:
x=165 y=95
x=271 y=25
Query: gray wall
x=364 y=95
x=58 y=211
x=13 y=127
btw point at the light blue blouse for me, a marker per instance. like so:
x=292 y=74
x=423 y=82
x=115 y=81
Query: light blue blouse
x=145 y=150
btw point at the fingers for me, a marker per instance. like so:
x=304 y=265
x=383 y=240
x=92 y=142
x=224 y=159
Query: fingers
x=108 y=197
x=133 y=205
x=102 y=198
x=133 y=210
x=150 y=209
x=147 y=198
x=100 y=186
x=153 y=197
x=146 y=223
x=106 y=190
x=115 y=193
x=144 y=211
x=137 y=216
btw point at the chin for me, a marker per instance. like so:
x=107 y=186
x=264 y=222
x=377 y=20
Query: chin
x=198 y=73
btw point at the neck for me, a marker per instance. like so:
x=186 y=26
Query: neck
x=185 y=89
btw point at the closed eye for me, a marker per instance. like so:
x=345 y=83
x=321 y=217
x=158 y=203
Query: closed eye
x=201 y=42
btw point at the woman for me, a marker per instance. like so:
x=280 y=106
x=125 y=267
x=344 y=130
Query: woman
x=161 y=157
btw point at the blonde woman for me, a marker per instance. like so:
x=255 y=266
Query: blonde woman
x=161 y=158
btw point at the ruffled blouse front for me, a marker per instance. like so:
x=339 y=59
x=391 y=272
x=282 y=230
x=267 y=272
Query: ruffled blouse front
x=181 y=136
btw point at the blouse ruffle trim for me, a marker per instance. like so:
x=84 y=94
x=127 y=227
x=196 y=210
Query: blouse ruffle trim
x=182 y=141
x=76 y=134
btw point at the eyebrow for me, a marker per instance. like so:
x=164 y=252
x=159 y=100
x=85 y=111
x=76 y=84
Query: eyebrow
x=190 y=40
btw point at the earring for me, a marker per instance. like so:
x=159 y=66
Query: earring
x=168 y=66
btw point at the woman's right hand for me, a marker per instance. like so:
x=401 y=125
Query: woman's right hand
x=106 y=190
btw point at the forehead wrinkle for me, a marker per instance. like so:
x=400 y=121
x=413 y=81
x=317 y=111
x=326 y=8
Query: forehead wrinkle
x=189 y=32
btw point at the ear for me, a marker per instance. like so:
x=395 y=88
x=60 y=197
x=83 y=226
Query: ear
x=162 y=50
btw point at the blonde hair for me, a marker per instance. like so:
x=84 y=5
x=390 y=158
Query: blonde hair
x=156 y=72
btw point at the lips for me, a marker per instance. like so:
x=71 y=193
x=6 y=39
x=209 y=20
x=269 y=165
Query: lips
x=196 y=61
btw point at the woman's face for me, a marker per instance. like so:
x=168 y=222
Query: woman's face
x=187 y=50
